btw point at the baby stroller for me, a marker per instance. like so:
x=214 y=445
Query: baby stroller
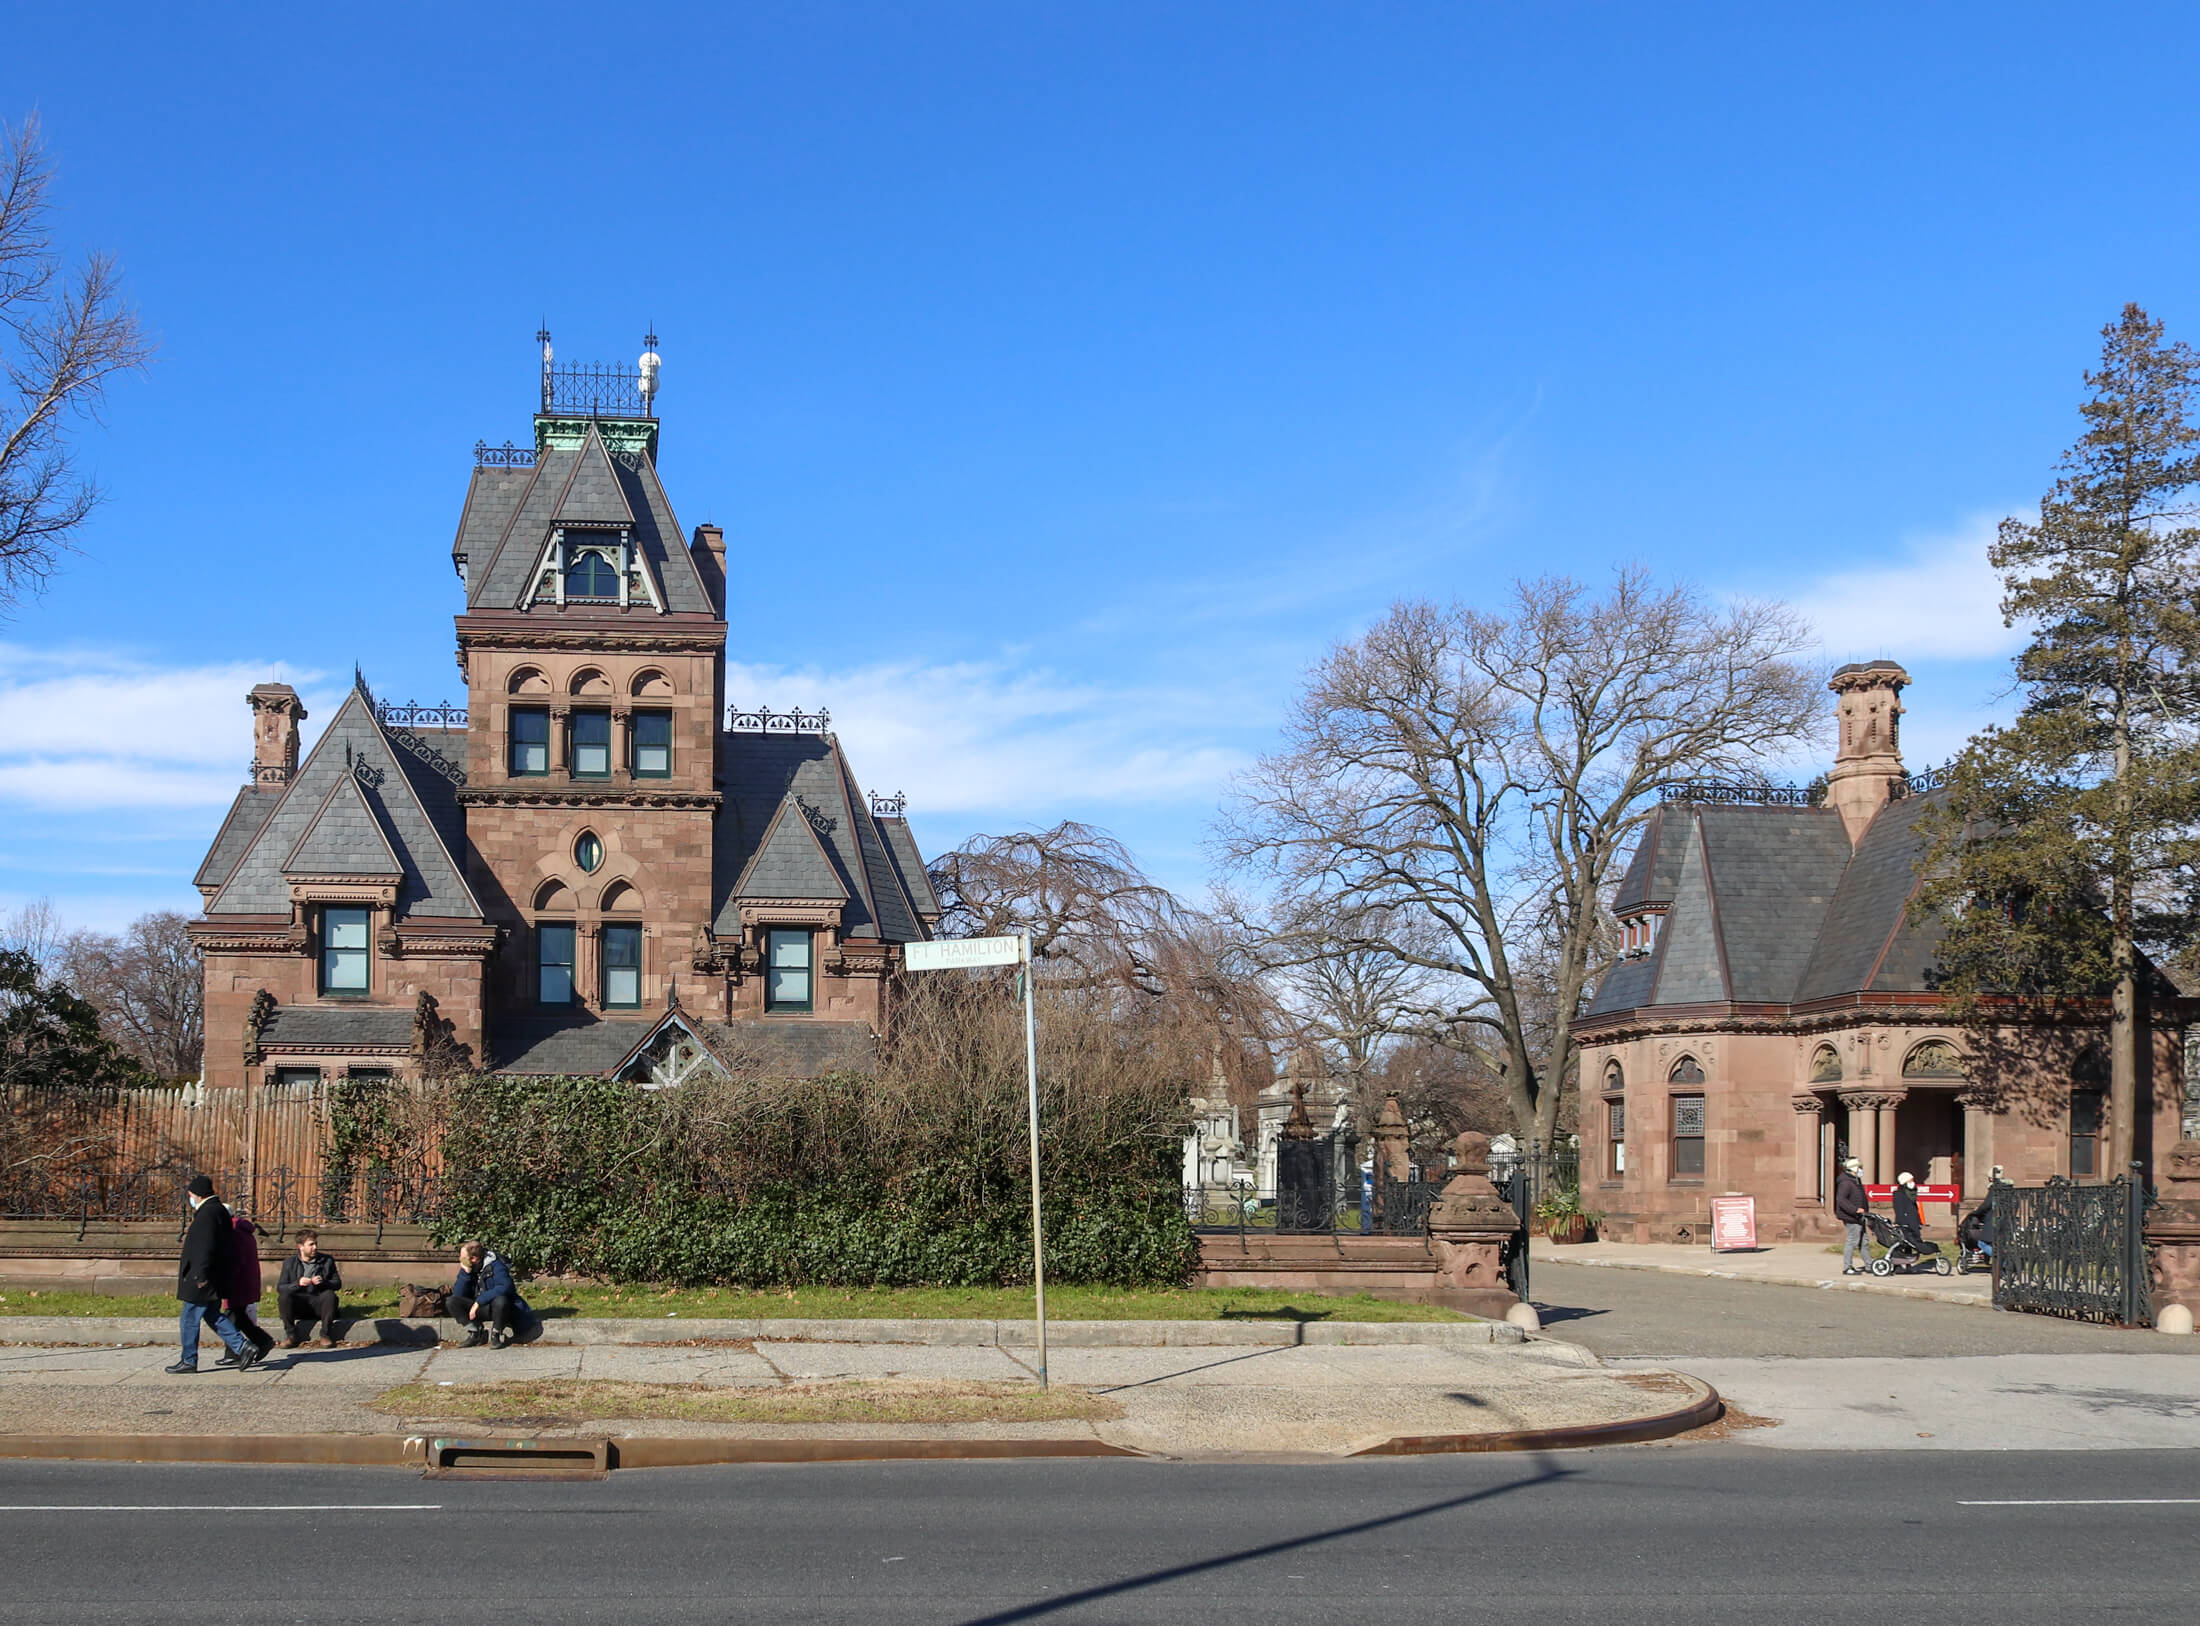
x=1974 y=1243
x=1906 y=1254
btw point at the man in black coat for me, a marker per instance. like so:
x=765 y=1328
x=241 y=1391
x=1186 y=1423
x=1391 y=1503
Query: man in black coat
x=200 y=1279
x=1849 y=1203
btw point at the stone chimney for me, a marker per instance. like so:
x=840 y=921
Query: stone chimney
x=276 y=714
x=708 y=550
x=1867 y=764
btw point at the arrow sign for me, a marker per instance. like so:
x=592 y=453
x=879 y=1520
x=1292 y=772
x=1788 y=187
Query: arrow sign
x=953 y=953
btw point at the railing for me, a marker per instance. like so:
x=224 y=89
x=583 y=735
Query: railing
x=1919 y=784
x=889 y=807
x=763 y=720
x=1743 y=793
x=506 y=456
x=594 y=390
x=2071 y=1250
x=412 y=715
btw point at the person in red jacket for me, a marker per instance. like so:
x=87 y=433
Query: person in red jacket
x=241 y=1286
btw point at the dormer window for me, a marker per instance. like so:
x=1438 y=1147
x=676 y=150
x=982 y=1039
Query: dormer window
x=588 y=574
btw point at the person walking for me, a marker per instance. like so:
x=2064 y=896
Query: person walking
x=1907 y=1219
x=484 y=1301
x=1849 y=1203
x=199 y=1278
x=241 y=1286
x=306 y=1292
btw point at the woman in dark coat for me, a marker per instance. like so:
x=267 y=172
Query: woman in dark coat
x=242 y=1287
x=1906 y=1217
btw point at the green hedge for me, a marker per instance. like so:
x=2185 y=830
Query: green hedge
x=610 y=1180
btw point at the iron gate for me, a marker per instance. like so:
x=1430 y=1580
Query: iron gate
x=1516 y=1177
x=2071 y=1250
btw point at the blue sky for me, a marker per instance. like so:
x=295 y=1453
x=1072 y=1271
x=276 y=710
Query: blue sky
x=1067 y=377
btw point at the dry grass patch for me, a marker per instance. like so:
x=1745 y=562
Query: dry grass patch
x=554 y=1402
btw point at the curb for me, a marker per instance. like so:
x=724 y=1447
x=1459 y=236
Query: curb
x=1707 y=1407
x=1876 y=1286
x=401 y=1451
x=65 y=1330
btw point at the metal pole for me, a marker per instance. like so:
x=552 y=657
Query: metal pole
x=1038 y=1231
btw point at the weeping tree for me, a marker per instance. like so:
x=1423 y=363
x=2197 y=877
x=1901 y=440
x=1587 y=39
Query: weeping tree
x=2066 y=850
x=1457 y=786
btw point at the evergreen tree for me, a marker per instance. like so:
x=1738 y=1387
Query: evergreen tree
x=2066 y=851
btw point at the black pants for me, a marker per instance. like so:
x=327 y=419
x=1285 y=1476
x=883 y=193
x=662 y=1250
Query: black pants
x=255 y=1334
x=496 y=1312
x=300 y=1307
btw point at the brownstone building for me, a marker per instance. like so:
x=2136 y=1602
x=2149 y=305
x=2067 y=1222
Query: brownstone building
x=592 y=867
x=1774 y=1009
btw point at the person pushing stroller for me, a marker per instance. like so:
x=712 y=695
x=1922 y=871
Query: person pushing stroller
x=1904 y=1236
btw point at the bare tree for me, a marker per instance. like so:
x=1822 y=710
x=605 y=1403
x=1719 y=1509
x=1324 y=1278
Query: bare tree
x=67 y=334
x=147 y=986
x=1457 y=787
x=34 y=929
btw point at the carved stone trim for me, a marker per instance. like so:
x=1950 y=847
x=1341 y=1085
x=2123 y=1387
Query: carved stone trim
x=700 y=801
x=1873 y=1100
x=1807 y=1106
x=255 y=1024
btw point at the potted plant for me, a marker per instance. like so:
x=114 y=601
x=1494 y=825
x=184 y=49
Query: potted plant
x=1562 y=1217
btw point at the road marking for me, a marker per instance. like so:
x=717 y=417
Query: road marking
x=220 y=1507
x=2097 y=1501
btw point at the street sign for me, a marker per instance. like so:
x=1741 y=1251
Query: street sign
x=952 y=953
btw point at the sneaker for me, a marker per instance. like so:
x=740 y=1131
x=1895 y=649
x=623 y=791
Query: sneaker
x=181 y=1368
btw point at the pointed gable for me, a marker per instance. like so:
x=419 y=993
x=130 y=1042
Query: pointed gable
x=1691 y=966
x=791 y=862
x=592 y=494
x=344 y=839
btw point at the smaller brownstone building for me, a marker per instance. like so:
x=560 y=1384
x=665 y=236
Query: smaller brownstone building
x=592 y=867
x=1774 y=1010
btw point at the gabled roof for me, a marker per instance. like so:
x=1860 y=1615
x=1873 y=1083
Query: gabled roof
x=246 y=815
x=790 y=862
x=344 y=838
x=592 y=494
x=354 y=746
x=901 y=846
x=762 y=774
x=1768 y=906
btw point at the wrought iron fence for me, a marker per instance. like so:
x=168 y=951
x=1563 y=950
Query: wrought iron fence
x=2071 y=1250
x=1741 y=793
x=506 y=456
x=764 y=720
x=588 y=389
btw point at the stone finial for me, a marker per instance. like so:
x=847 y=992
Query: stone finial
x=276 y=714
x=1300 y=1125
x=1470 y=1152
x=1391 y=1137
x=1867 y=762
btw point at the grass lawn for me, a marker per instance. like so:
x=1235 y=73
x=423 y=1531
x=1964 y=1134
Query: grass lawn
x=557 y=1299
x=553 y=1402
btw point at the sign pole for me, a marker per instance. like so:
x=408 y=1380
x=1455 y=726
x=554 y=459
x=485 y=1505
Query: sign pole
x=1038 y=1233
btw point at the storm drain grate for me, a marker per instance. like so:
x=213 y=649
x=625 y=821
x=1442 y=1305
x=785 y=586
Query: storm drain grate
x=518 y=1459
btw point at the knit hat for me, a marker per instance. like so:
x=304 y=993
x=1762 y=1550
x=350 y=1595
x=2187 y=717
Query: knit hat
x=200 y=1186
x=1904 y=1180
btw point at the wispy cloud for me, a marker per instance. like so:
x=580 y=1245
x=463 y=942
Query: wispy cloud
x=86 y=729
x=994 y=738
x=1937 y=599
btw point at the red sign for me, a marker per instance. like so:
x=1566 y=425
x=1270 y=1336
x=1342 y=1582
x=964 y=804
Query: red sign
x=1925 y=1194
x=1733 y=1223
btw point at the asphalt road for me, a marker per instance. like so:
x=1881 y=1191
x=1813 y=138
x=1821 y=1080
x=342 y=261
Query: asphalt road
x=1704 y=1534
x=1659 y=1316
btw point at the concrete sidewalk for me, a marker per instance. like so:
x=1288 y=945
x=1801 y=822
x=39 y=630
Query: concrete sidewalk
x=1218 y=1401
x=1789 y=1264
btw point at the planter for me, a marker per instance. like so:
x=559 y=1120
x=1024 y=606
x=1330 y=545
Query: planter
x=1567 y=1228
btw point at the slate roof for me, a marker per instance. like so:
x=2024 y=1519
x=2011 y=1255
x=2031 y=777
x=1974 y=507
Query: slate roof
x=901 y=846
x=1770 y=906
x=781 y=787
x=344 y=838
x=246 y=815
x=510 y=513
x=568 y=1044
x=790 y=1048
x=409 y=808
x=337 y=1027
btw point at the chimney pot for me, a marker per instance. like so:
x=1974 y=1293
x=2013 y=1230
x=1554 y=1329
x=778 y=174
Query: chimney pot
x=276 y=714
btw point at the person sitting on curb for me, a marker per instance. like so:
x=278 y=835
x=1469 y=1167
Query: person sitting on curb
x=1849 y=1203
x=306 y=1292
x=242 y=1286
x=199 y=1280
x=484 y=1301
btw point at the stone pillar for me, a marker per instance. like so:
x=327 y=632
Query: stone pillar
x=1392 y=1157
x=2173 y=1230
x=622 y=755
x=1469 y=1228
x=1807 y=1109
x=1888 y=1106
x=1978 y=1143
x=561 y=761
x=1864 y=1131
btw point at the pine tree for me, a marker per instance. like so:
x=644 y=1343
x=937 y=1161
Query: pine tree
x=2066 y=850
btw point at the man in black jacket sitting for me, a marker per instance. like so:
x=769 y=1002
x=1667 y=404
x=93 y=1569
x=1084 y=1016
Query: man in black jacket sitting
x=306 y=1291
x=199 y=1278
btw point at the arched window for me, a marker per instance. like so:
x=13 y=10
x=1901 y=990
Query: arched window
x=589 y=575
x=1825 y=1065
x=2088 y=1113
x=1685 y=1071
x=1614 y=1079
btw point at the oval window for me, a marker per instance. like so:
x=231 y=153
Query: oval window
x=588 y=853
